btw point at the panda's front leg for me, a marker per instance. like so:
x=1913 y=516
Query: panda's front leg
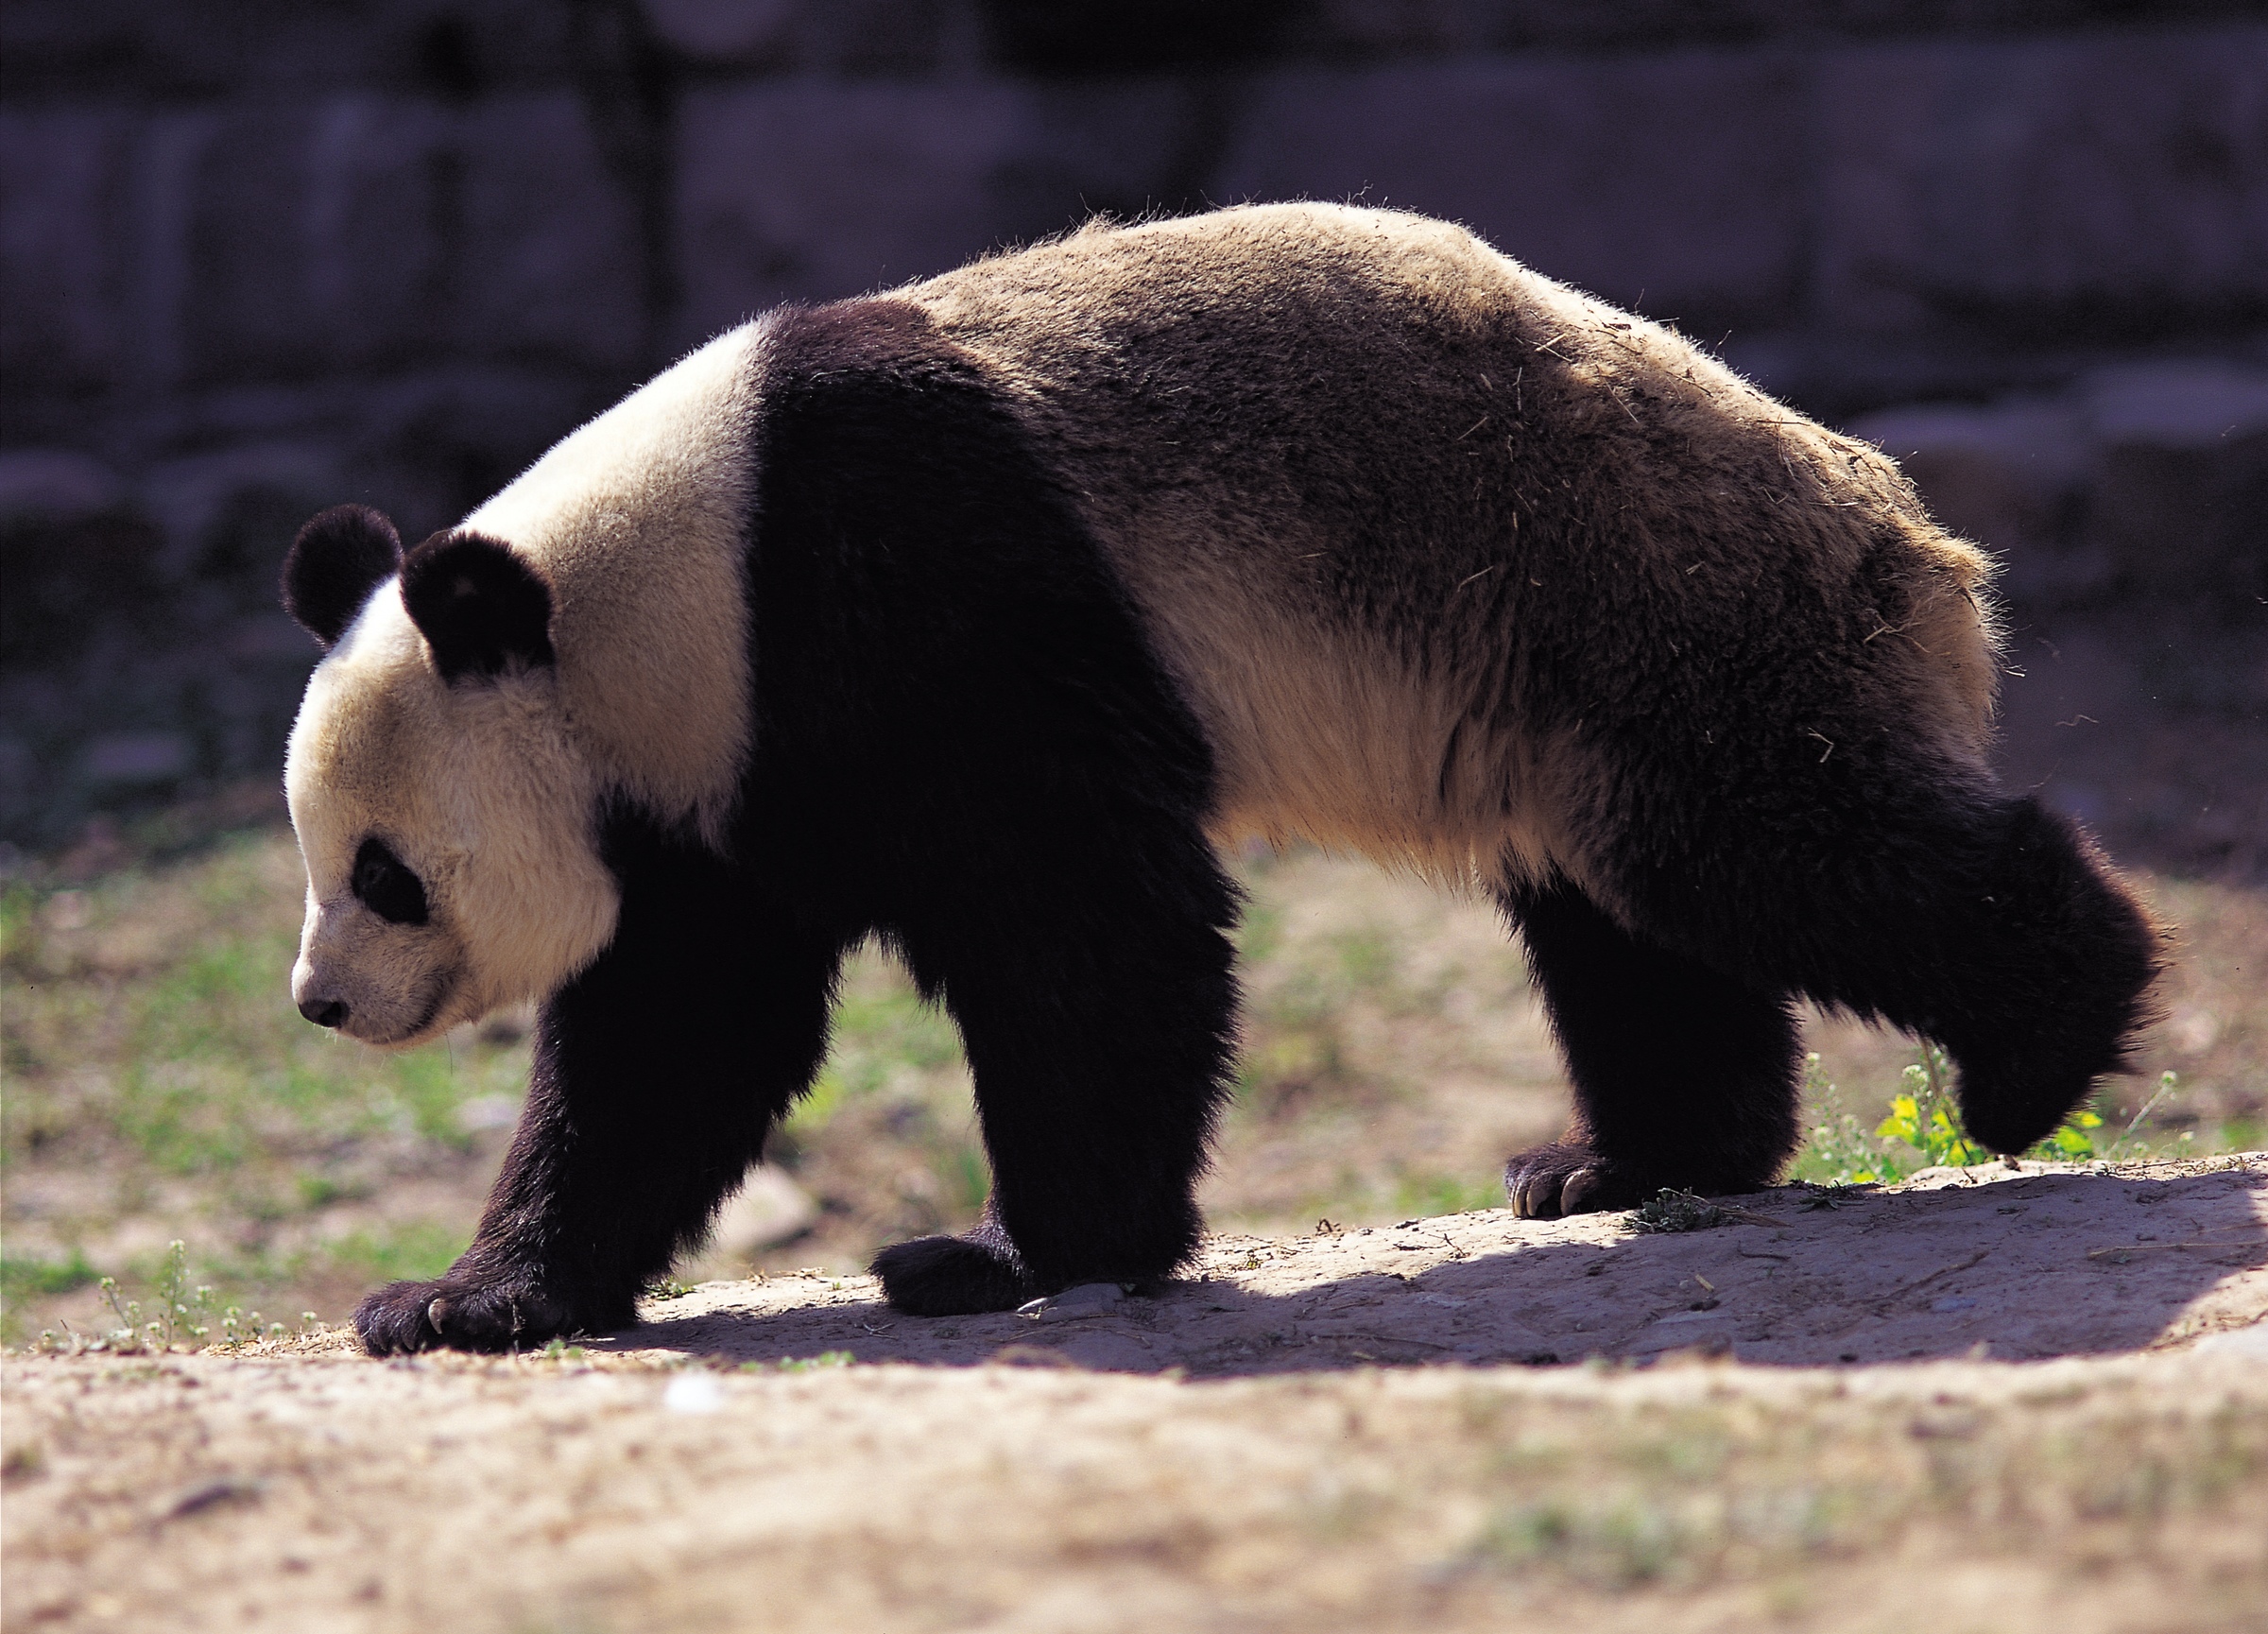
x=658 y=1070
x=1101 y=1041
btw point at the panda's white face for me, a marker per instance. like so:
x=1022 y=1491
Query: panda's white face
x=448 y=834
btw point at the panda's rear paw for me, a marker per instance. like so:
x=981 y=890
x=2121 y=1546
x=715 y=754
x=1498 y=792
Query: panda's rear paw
x=463 y=1316
x=953 y=1277
x=1565 y=1179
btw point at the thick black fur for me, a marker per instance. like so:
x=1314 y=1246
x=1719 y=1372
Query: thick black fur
x=479 y=606
x=964 y=743
x=1014 y=797
x=1682 y=1076
x=1982 y=922
x=339 y=557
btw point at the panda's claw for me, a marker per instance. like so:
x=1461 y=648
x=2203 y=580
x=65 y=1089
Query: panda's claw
x=407 y=1317
x=1565 y=1179
x=1577 y=1187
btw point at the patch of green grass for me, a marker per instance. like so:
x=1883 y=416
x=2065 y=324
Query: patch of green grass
x=23 y=1278
x=880 y=1027
x=816 y=1109
x=1427 y=1196
x=168 y=998
x=967 y=1177
x=887 y=1041
x=1615 y=1546
x=416 y=1250
x=1687 y=1495
x=1299 y=999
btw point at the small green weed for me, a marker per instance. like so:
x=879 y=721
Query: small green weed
x=2168 y=1085
x=802 y=1364
x=1924 y=1117
x=1923 y=1130
x=181 y=1310
x=179 y=1316
x=1670 y=1210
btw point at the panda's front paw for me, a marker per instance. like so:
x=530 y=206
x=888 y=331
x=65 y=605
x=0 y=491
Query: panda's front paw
x=1567 y=1178
x=461 y=1314
x=954 y=1276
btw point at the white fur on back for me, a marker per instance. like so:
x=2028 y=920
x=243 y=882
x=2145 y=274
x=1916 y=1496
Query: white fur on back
x=636 y=522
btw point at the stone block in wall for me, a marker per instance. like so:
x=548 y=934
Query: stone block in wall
x=428 y=447
x=1124 y=148
x=64 y=271
x=175 y=51
x=1678 y=179
x=228 y=515
x=379 y=211
x=898 y=38
x=2011 y=476
x=71 y=548
x=48 y=484
x=815 y=189
x=2101 y=187
x=2146 y=480
x=360 y=232
x=551 y=263
x=231 y=218
x=2177 y=498
x=744 y=34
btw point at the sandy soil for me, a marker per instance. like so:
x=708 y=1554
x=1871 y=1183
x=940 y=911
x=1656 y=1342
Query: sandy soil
x=2038 y=1398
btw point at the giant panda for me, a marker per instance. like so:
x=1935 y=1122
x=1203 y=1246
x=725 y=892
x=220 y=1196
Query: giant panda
x=978 y=615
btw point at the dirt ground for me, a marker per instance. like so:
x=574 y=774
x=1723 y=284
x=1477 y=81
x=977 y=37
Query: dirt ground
x=2022 y=1397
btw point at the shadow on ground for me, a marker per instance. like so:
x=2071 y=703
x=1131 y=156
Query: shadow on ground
x=1985 y=1264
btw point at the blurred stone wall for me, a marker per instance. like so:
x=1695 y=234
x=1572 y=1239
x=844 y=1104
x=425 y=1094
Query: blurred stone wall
x=260 y=256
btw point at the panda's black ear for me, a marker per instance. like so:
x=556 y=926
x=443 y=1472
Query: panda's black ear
x=337 y=560
x=481 y=607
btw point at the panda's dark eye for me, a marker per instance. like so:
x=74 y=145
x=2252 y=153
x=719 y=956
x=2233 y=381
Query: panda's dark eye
x=386 y=887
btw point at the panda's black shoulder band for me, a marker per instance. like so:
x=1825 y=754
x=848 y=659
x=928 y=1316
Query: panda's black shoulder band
x=480 y=606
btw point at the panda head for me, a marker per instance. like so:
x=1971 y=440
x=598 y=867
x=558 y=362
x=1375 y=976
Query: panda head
x=444 y=809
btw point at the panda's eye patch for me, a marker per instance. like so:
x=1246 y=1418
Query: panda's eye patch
x=386 y=887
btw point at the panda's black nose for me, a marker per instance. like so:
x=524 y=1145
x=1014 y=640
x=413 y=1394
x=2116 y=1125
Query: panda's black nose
x=324 y=1012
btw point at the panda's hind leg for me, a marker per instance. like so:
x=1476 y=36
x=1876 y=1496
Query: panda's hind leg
x=2016 y=949
x=1683 y=1077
